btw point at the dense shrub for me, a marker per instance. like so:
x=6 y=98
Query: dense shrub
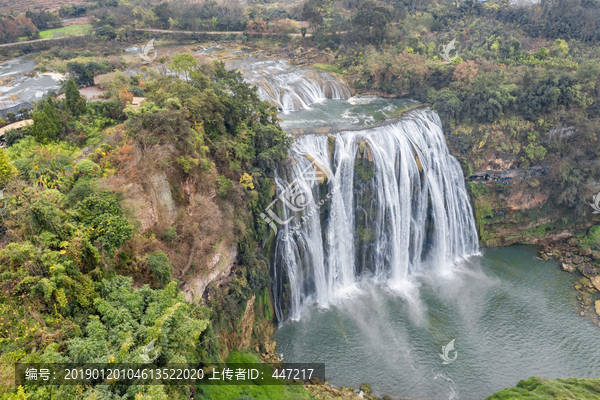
x=84 y=73
x=160 y=267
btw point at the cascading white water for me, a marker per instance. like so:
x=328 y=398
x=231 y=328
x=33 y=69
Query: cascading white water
x=387 y=202
x=292 y=88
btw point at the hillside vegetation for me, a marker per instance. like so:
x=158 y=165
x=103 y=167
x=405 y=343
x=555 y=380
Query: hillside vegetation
x=119 y=217
x=107 y=204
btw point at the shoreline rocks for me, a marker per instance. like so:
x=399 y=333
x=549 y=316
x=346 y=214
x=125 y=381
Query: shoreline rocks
x=572 y=257
x=568 y=268
x=324 y=390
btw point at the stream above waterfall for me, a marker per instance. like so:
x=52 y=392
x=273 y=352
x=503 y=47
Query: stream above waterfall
x=288 y=86
x=19 y=88
x=387 y=270
x=356 y=112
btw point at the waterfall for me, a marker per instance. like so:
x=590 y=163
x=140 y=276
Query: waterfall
x=381 y=203
x=292 y=88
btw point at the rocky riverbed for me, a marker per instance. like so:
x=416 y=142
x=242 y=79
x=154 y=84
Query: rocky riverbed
x=575 y=259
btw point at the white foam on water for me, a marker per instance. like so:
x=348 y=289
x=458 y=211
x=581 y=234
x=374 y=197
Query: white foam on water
x=293 y=88
x=54 y=75
x=360 y=100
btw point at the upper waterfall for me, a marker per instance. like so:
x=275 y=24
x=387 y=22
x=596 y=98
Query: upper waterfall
x=388 y=201
x=292 y=88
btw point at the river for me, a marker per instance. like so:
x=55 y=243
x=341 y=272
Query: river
x=511 y=316
x=20 y=88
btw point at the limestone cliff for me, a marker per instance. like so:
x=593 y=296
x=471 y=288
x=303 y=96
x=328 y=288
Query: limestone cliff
x=178 y=214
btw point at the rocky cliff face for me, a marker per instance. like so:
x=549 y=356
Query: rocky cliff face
x=519 y=207
x=219 y=268
x=152 y=200
x=178 y=215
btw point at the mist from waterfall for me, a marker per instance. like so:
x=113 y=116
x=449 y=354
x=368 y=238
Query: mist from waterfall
x=382 y=203
x=292 y=88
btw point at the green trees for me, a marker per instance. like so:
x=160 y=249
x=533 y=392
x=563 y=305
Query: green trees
x=60 y=246
x=539 y=95
x=183 y=65
x=45 y=124
x=534 y=151
x=512 y=49
x=588 y=72
x=75 y=103
x=70 y=240
x=224 y=185
x=489 y=97
x=370 y=22
x=84 y=73
x=121 y=324
x=318 y=14
x=446 y=102
x=567 y=19
x=127 y=320
x=160 y=266
x=44 y=19
x=7 y=169
x=102 y=215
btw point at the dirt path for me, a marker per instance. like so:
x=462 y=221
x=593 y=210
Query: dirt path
x=141 y=30
x=15 y=125
x=188 y=32
x=39 y=40
x=218 y=32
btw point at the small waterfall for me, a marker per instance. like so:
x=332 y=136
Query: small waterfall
x=292 y=88
x=386 y=202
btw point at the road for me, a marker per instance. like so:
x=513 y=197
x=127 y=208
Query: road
x=15 y=125
x=38 y=40
x=216 y=33
x=188 y=32
x=150 y=30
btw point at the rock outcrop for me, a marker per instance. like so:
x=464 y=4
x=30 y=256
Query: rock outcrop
x=219 y=268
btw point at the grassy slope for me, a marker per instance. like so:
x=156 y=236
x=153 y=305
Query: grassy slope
x=536 y=388
x=70 y=30
x=66 y=31
x=226 y=392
